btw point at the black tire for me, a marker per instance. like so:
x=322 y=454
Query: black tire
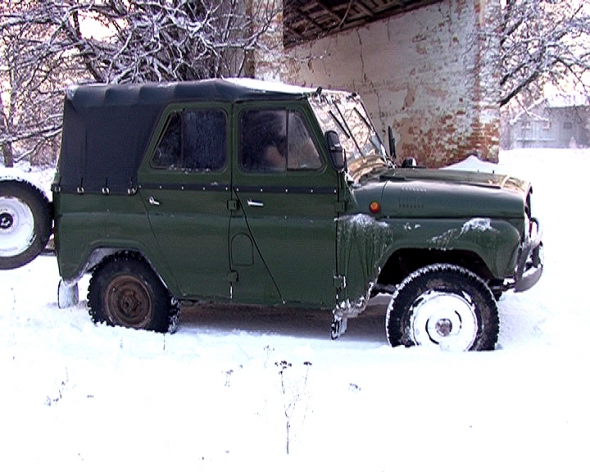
x=125 y=291
x=25 y=223
x=443 y=306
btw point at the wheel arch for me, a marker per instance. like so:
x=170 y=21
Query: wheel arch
x=126 y=290
x=100 y=254
x=403 y=262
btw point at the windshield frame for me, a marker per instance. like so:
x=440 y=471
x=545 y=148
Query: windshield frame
x=346 y=114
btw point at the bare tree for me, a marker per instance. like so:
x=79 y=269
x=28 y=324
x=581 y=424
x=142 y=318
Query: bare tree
x=29 y=97
x=114 y=41
x=542 y=42
x=6 y=127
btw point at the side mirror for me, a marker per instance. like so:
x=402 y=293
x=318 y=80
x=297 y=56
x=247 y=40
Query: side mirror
x=337 y=154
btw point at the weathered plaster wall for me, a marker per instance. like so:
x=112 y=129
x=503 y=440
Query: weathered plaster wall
x=427 y=73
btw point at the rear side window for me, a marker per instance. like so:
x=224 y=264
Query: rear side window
x=276 y=141
x=193 y=140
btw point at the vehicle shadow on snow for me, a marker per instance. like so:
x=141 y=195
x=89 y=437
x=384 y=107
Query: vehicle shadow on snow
x=368 y=327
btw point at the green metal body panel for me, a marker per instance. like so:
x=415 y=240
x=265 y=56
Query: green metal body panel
x=293 y=232
x=84 y=224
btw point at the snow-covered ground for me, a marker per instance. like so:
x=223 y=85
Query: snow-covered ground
x=75 y=396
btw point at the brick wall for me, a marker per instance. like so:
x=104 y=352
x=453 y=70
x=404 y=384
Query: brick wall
x=428 y=73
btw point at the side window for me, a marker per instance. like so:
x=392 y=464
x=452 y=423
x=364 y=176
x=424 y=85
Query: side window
x=276 y=141
x=193 y=140
x=302 y=153
x=167 y=153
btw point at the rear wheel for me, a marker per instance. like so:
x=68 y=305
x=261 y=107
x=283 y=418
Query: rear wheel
x=25 y=223
x=446 y=307
x=125 y=291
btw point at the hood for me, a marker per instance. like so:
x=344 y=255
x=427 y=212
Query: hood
x=485 y=179
x=424 y=193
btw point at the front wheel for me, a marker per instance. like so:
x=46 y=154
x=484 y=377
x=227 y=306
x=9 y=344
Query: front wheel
x=446 y=307
x=125 y=291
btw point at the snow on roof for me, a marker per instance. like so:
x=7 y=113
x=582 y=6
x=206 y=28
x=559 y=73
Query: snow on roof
x=269 y=86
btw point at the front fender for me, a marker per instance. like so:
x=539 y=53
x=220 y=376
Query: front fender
x=365 y=244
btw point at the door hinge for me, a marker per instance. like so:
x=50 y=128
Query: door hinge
x=340 y=207
x=339 y=282
x=232 y=205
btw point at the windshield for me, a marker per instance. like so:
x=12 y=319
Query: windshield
x=345 y=113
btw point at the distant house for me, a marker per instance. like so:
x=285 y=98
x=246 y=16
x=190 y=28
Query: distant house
x=556 y=122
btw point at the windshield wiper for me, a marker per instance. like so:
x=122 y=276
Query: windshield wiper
x=367 y=121
x=349 y=130
x=340 y=125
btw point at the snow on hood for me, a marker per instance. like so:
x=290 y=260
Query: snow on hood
x=475 y=164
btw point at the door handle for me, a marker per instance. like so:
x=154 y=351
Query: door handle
x=153 y=201
x=255 y=203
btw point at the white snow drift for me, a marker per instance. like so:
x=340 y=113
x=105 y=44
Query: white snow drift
x=222 y=393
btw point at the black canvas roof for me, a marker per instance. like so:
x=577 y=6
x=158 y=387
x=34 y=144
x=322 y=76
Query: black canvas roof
x=106 y=128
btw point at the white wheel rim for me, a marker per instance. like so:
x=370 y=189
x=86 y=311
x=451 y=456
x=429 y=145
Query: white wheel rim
x=445 y=321
x=17 y=227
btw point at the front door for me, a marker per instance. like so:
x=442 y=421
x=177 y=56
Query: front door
x=283 y=227
x=186 y=186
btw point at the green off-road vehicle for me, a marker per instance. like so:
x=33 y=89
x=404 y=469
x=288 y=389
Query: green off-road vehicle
x=244 y=192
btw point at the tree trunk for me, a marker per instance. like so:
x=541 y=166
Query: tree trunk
x=8 y=155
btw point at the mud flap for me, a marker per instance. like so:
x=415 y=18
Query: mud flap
x=67 y=294
x=339 y=325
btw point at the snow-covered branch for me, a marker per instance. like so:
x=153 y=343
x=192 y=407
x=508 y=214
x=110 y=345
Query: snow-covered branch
x=542 y=42
x=45 y=45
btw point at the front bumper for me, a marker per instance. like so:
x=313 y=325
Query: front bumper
x=530 y=260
